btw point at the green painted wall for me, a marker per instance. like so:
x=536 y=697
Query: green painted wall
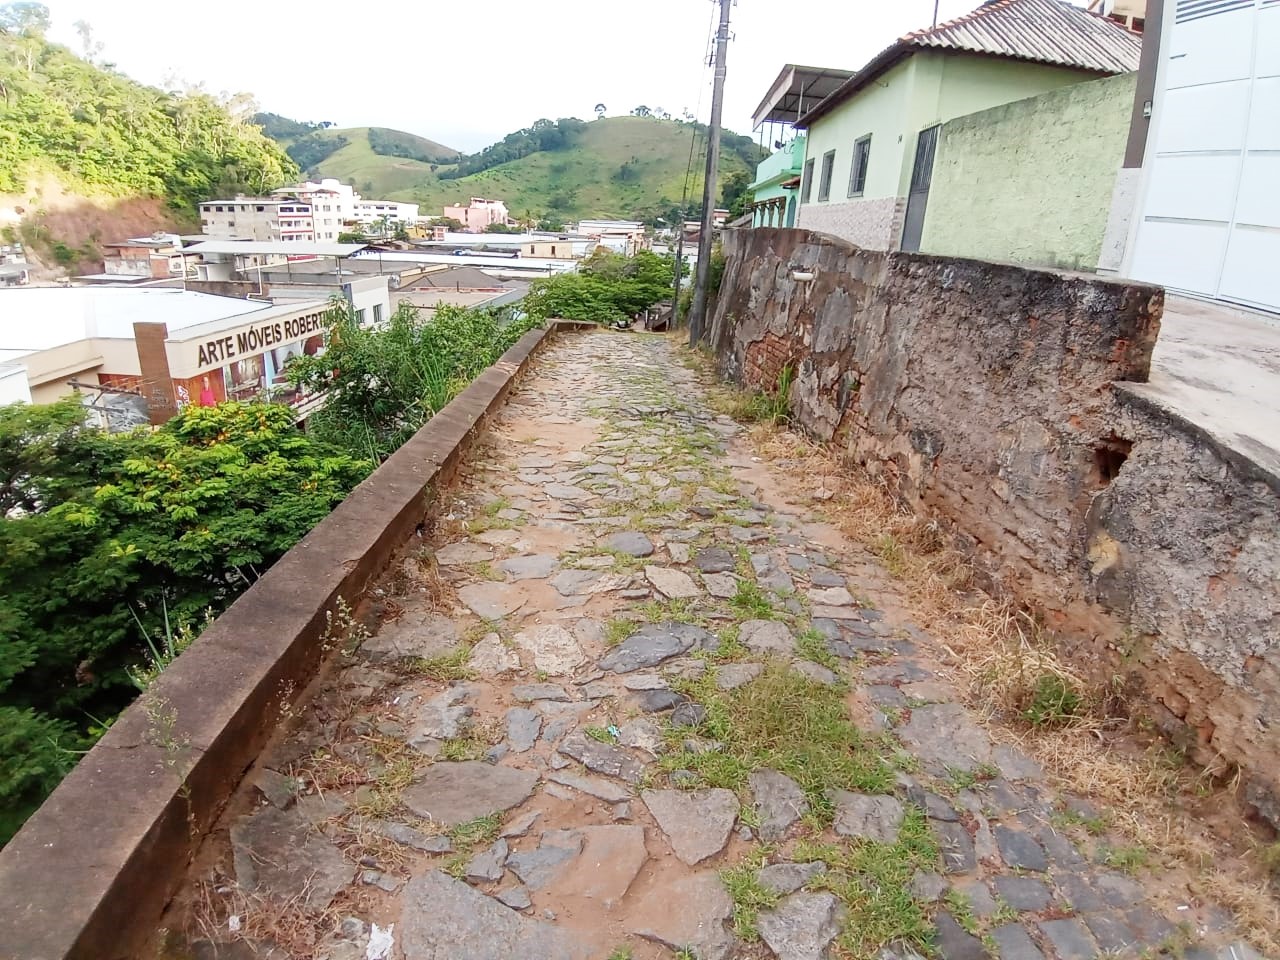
x=879 y=110
x=1030 y=182
x=925 y=89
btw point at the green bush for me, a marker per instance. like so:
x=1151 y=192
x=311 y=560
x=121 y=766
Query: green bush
x=111 y=541
x=384 y=384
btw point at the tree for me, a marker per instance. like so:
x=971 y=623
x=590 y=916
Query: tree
x=600 y=110
x=500 y=228
x=27 y=19
x=449 y=223
x=92 y=48
x=641 y=111
x=609 y=288
x=120 y=535
x=735 y=193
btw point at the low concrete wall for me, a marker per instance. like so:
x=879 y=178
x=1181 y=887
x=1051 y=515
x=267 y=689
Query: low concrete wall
x=89 y=874
x=990 y=396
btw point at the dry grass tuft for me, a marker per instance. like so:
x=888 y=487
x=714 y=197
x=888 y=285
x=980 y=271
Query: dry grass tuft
x=291 y=926
x=1016 y=677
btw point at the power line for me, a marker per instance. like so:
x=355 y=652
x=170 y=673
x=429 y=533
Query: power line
x=708 y=60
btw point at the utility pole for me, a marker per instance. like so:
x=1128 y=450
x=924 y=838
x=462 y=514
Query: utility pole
x=679 y=271
x=697 y=313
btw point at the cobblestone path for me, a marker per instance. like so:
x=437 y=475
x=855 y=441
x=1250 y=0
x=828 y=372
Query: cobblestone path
x=629 y=703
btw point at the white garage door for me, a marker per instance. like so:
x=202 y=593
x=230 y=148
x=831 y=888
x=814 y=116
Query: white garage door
x=1211 y=213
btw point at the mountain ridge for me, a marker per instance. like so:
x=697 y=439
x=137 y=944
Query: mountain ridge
x=631 y=166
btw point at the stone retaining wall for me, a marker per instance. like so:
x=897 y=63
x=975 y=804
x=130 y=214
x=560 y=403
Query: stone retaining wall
x=88 y=875
x=991 y=396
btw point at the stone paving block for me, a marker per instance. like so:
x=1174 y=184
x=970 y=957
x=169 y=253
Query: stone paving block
x=1070 y=939
x=955 y=846
x=1023 y=893
x=1019 y=849
x=1014 y=943
x=956 y=943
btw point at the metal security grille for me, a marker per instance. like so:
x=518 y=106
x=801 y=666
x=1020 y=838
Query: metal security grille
x=926 y=146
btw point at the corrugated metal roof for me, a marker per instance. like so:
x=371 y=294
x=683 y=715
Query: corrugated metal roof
x=1046 y=31
x=1053 y=32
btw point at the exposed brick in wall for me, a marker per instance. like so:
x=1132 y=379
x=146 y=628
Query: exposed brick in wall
x=870 y=224
x=767 y=357
x=992 y=396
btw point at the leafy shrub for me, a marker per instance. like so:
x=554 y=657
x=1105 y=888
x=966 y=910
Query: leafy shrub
x=111 y=539
x=385 y=384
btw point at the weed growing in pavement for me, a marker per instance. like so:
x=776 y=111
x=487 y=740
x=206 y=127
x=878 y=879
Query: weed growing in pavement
x=749 y=895
x=873 y=880
x=785 y=722
x=381 y=799
x=812 y=645
x=620 y=953
x=467 y=838
x=750 y=602
x=1054 y=702
x=601 y=734
x=447 y=666
x=1062 y=819
x=961 y=909
x=342 y=630
x=618 y=629
x=679 y=610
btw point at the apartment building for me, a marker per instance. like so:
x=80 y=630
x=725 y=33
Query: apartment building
x=333 y=204
x=478 y=214
x=258 y=218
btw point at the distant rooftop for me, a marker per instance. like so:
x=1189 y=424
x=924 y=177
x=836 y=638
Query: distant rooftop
x=1052 y=32
x=300 y=248
x=38 y=318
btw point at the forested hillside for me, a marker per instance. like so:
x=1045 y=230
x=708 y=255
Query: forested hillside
x=634 y=166
x=80 y=137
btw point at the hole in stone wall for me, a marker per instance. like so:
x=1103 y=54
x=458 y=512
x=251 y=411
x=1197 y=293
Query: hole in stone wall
x=1109 y=456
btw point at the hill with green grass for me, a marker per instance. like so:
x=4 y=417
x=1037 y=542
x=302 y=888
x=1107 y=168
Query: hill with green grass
x=379 y=161
x=559 y=170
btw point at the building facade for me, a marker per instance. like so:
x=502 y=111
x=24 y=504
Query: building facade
x=871 y=145
x=168 y=347
x=478 y=214
x=1206 y=209
x=258 y=218
x=369 y=212
x=774 y=196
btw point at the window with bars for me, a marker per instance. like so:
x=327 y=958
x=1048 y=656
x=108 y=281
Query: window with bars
x=828 y=167
x=806 y=182
x=858 y=171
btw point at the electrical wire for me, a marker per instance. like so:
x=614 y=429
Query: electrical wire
x=707 y=60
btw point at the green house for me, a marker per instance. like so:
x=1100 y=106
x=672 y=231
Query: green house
x=870 y=144
x=775 y=190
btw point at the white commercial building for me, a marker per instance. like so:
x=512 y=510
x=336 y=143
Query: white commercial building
x=336 y=206
x=258 y=218
x=373 y=211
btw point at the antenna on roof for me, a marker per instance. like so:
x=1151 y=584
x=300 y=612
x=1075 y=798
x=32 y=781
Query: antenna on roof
x=935 y=13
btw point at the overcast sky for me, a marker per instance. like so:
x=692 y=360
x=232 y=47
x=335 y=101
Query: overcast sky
x=467 y=72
